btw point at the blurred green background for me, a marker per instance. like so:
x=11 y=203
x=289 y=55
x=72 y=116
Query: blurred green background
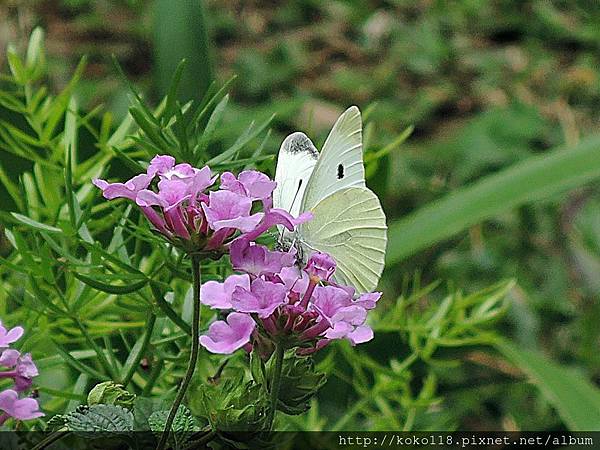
x=486 y=84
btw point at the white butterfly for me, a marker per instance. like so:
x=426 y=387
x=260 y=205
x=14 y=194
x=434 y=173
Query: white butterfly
x=348 y=221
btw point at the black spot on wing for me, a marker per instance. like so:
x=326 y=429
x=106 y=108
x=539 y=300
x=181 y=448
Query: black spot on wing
x=300 y=143
x=340 y=172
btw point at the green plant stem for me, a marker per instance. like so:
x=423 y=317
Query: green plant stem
x=193 y=355
x=276 y=382
x=169 y=312
x=51 y=439
x=132 y=369
x=111 y=371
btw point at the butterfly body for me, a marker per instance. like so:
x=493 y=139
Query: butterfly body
x=348 y=221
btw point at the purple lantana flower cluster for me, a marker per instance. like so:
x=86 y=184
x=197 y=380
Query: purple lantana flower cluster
x=177 y=201
x=21 y=369
x=275 y=301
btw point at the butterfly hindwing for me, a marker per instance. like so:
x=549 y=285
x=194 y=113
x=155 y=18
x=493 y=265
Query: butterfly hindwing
x=349 y=225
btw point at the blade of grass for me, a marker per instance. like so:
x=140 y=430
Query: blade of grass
x=531 y=180
x=576 y=400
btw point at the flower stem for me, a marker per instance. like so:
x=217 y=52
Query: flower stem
x=276 y=382
x=193 y=355
x=50 y=439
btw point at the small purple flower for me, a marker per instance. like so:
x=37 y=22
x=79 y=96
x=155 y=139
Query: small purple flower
x=230 y=210
x=9 y=357
x=200 y=181
x=18 y=408
x=23 y=368
x=361 y=334
x=227 y=337
x=251 y=183
x=171 y=193
x=299 y=304
x=262 y=298
x=257 y=259
x=7 y=337
x=218 y=295
x=180 y=207
x=295 y=280
x=320 y=265
x=329 y=300
x=129 y=189
x=160 y=165
x=368 y=300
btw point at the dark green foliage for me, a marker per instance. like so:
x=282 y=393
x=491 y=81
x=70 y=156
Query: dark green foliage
x=300 y=382
x=110 y=393
x=102 y=420
x=184 y=425
x=234 y=405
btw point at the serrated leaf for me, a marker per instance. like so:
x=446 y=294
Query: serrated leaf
x=300 y=381
x=184 y=425
x=234 y=405
x=143 y=407
x=56 y=422
x=100 y=419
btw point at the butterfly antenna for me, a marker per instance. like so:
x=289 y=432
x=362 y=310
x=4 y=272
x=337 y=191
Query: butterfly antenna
x=297 y=192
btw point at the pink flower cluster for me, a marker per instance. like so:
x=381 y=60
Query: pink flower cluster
x=186 y=213
x=21 y=368
x=273 y=300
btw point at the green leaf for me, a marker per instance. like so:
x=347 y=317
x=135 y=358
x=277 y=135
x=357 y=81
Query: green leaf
x=576 y=400
x=239 y=144
x=129 y=162
x=166 y=308
x=16 y=66
x=111 y=288
x=78 y=365
x=233 y=405
x=12 y=189
x=213 y=122
x=35 y=224
x=31 y=194
x=152 y=131
x=184 y=422
x=100 y=419
x=35 y=59
x=180 y=31
x=137 y=352
x=110 y=393
x=300 y=381
x=207 y=103
x=56 y=423
x=143 y=407
x=171 y=98
x=61 y=102
x=531 y=180
x=183 y=425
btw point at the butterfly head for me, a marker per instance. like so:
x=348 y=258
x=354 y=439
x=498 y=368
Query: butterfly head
x=289 y=241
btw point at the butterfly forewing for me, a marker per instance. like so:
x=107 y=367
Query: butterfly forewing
x=350 y=226
x=340 y=164
x=295 y=164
